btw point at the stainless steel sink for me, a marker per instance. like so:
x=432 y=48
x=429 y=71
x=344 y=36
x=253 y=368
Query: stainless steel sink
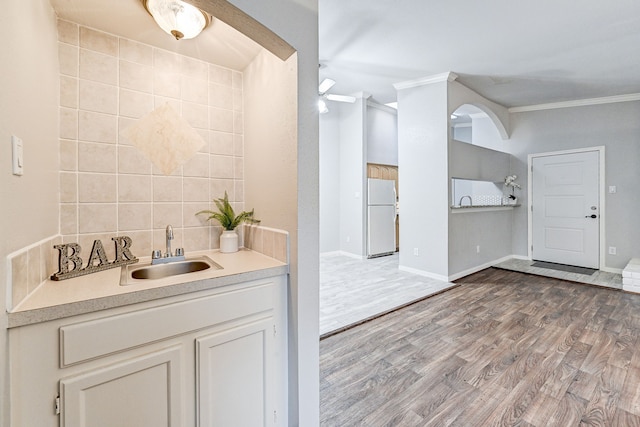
x=134 y=272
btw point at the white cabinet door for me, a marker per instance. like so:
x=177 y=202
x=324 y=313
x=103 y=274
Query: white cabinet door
x=144 y=391
x=234 y=369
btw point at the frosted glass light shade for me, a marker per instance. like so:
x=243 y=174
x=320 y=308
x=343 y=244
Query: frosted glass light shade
x=175 y=17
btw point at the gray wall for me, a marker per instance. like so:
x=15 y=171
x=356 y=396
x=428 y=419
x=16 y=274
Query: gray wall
x=489 y=230
x=349 y=134
x=382 y=135
x=475 y=162
x=330 y=181
x=352 y=177
x=486 y=135
x=614 y=126
x=463 y=132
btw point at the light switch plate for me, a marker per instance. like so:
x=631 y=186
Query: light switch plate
x=18 y=155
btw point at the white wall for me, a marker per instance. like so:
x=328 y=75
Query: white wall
x=614 y=126
x=423 y=177
x=352 y=177
x=330 y=181
x=271 y=156
x=382 y=135
x=296 y=21
x=29 y=93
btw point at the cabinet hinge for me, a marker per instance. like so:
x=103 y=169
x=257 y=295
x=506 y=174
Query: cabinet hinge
x=274 y=330
x=275 y=417
x=57 y=405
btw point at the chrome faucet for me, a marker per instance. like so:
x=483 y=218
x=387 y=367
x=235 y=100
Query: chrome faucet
x=464 y=197
x=158 y=258
x=169 y=234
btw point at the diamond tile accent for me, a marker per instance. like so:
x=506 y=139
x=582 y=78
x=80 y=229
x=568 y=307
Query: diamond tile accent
x=165 y=138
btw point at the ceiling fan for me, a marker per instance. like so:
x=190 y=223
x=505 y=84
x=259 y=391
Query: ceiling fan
x=323 y=88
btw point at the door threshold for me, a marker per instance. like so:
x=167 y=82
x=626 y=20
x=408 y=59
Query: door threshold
x=564 y=267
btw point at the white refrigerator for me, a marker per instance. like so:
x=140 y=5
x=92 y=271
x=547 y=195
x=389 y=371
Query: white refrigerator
x=381 y=217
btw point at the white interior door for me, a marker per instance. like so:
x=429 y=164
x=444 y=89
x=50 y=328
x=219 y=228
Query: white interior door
x=566 y=214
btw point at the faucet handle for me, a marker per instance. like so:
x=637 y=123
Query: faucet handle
x=155 y=254
x=179 y=252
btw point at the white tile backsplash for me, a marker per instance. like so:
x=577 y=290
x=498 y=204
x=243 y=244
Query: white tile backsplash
x=107 y=84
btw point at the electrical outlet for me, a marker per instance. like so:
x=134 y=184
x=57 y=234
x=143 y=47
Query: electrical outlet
x=478 y=249
x=613 y=250
x=416 y=252
x=348 y=239
x=612 y=189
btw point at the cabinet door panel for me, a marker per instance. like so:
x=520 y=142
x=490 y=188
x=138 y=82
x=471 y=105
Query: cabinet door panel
x=157 y=323
x=144 y=391
x=233 y=379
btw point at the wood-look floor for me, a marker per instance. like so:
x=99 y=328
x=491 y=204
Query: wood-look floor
x=502 y=349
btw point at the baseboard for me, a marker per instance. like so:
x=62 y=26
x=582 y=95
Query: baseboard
x=342 y=253
x=423 y=273
x=611 y=270
x=477 y=268
x=330 y=253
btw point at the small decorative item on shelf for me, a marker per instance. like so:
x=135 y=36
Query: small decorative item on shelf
x=229 y=221
x=510 y=181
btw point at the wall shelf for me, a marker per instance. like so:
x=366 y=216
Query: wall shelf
x=480 y=208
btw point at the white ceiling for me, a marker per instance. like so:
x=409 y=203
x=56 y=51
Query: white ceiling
x=512 y=52
x=217 y=44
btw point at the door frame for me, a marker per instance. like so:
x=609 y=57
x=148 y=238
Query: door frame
x=601 y=196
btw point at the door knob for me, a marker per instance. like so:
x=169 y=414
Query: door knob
x=591 y=216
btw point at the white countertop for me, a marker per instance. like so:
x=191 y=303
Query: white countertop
x=99 y=291
x=482 y=208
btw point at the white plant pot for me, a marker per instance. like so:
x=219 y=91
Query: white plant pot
x=229 y=241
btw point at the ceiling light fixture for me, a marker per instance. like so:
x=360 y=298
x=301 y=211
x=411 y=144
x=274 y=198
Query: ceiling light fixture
x=178 y=18
x=325 y=85
x=322 y=107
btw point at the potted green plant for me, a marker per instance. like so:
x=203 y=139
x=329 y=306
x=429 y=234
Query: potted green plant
x=229 y=221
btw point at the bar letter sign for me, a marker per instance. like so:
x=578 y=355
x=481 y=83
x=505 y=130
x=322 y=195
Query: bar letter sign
x=69 y=253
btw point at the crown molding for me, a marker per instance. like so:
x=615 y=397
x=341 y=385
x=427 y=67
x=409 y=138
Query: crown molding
x=578 y=103
x=436 y=78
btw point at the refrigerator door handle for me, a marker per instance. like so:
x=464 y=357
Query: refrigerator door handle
x=395 y=204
